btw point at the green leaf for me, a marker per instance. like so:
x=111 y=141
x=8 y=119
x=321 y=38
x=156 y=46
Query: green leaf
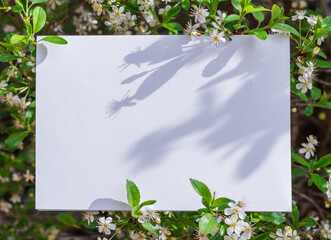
x=231 y=18
x=146 y=203
x=186 y=4
x=300 y=160
x=17 y=8
x=174 y=27
x=315 y=93
x=288 y=28
x=259 y=16
x=15 y=139
x=18 y=38
x=274 y=217
x=201 y=189
x=327 y=105
x=324 y=99
x=173 y=11
x=275 y=12
x=309 y=110
x=323 y=162
x=261 y=34
x=8 y=57
x=251 y=9
x=18 y=2
x=38 y=1
x=30 y=114
x=236 y=5
x=208 y=223
x=322 y=63
x=295 y=215
x=262 y=236
x=66 y=219
x=220 y=202
x=39 y=19
x=307 y=222
x=133 y=193
x=153 y=228
x=320 y=182
x=135 y=212
x=54 y=39
x=28 y=26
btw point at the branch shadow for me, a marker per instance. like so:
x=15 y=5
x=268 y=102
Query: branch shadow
x=105 y=204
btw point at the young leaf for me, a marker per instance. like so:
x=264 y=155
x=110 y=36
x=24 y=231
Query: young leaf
x=309 y=110
x=274 y=217
x=307 y=222
x=300 y=160
x=54 y=39
x=323 y=162
x=315 y=93
x=38 y=1
x=133 y=194
x=261 y=34
x=220 y=202
x=186 y=4
x=322 y=63
x=39 y=19
x=66 y=219
x=231 y=18
x=236 y=4
x=201 y=189
x=288 y=28
x=18 y=38
x=275 y=12
x=7 y=57
x=251 y=9
x=146 y=203
x=15 y=139
x=208 y=223
x=153 y=228
x=320 y=182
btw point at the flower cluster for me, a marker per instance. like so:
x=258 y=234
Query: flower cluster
x=216 y=32
x=306 y=77
x=286 y=233
x=308 y=148
x=237 y=227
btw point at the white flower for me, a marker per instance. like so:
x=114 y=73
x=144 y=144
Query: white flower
x=279 y=32
x=308 y=149
x=279 y=235
x=97 y=8
x=216 y=37
x=235 y=210
x=320 y=40
x=145 y=4
x=199 y=14
x=233 y=236
x=294 y=235
x=201 y=236
x=23 y=104
x=166 y=1
x=15 y=198
x=326 y=231
x=235 y=226
x=163 y=233
x=28 y=176
x=5 y=206
x=312 y=20
x=247 y=232
x=130 y=20
x=138 y=236
x=105 y=225
x=16 y=177
x=3 y=85
x=91 y=24
x=305 y=83
x=164 y=10
x=89 y=217
x=191 y=30
x=312 y=140
x=149 y=215
x=99 y=238
x=299 y=14
x=220 y=16
x=328 y=192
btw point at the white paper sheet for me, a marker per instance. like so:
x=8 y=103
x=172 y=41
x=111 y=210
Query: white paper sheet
x=159 y=110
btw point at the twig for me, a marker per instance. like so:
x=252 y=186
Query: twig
x=323 y=82
x=65 y=17
x=318 y=208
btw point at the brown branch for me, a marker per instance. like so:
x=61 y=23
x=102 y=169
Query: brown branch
x=318 y=208
x=69 y=13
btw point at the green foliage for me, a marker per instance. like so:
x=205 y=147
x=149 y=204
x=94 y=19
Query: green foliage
x=202 y=190
x=133 y=193
x=208 y=223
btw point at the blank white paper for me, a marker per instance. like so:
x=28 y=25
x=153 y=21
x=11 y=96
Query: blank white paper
x=159 y=110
